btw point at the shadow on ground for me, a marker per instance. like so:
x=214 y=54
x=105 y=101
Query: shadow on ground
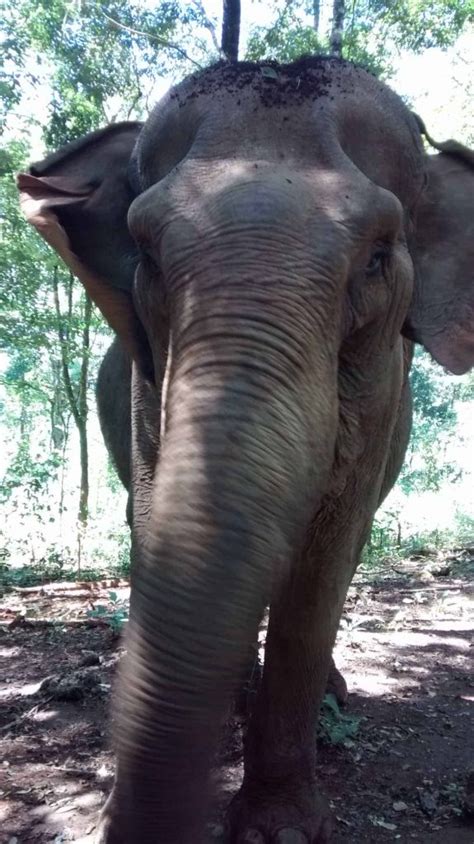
x=404 y=649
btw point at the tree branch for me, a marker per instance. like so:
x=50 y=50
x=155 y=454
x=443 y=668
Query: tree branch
x=231 y=30
x=157 y=38
x=209 y=25
x=134 y=103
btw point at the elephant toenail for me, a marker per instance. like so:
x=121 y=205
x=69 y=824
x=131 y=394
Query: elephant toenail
x=251 y=836
x=290 y=836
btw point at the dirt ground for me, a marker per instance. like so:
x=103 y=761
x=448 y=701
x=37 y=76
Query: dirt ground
x=403 y=772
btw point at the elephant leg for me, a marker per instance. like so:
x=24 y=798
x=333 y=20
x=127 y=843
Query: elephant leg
x=245 y=695
x=113 y=405
x=336 y=685
x=279 y=800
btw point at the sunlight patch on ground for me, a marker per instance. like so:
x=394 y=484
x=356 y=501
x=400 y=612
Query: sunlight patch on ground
x=7 y=809
x=21 y=691
x=462 y=626
x=375 y=685
x=9 y=653
x=45 y=715
x=421 y=640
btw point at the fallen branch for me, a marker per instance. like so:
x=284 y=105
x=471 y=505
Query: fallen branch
x=51 y=595
x=67 y=585
x=22 y=621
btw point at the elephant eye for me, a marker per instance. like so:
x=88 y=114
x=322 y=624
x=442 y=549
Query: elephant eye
x=377 y=261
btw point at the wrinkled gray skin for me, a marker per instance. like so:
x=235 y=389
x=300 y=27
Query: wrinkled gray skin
x=285 y=223
x=113 y=393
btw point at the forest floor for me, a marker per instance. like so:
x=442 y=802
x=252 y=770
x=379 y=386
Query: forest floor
x=397 y=762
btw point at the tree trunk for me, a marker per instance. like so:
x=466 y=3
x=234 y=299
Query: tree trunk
x=63 y=473
x=316 y=15
x=83 y=413
x=84 y=496
x=77 y=400
x=58 y=424
x=338 y=14
x=231 y=30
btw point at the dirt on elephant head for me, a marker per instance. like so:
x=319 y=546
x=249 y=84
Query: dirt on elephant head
x=310 y=77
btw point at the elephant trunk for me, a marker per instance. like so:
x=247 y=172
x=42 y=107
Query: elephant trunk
x=251 y=411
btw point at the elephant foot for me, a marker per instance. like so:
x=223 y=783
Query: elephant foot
x=336 y=685
x=287 y=815
x=107 y=830
x=105 y=834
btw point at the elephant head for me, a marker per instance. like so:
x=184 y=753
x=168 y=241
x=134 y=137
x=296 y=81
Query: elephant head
x=441 y=315
x=288 y=227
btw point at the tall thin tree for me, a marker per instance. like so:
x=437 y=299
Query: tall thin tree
x=316 y=15
x=231 y=30
x=77 y=398
x=337 y=28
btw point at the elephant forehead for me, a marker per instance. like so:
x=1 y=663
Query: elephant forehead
x=267 y=181
x=305 y=114
x=239 y=193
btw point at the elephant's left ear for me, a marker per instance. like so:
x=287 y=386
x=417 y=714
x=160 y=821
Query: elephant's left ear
x=78 y=199
x=441 y=316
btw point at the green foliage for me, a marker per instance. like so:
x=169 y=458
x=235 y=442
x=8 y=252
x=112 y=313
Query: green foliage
x=335 y=727
x=421 y=511
x=45 y=329
x=435 y=396
x=287 y=39
x=373 y=32
x=51 y=568
x=292 y=36
x=114 y=614
x=391 y=539
x=98 y=57
x=420 y=24
x=32 y=474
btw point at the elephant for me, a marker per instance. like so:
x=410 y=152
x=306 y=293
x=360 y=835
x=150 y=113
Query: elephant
x=113 y=393
x=268 y=247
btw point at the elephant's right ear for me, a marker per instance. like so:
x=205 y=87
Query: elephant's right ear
x=441 y=315
x=78 y=199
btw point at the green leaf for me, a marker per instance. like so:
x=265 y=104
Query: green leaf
x=330 y=701
x=269 y=73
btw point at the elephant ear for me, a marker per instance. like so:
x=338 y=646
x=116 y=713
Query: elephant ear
x=78 y=199
x=441 y=316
